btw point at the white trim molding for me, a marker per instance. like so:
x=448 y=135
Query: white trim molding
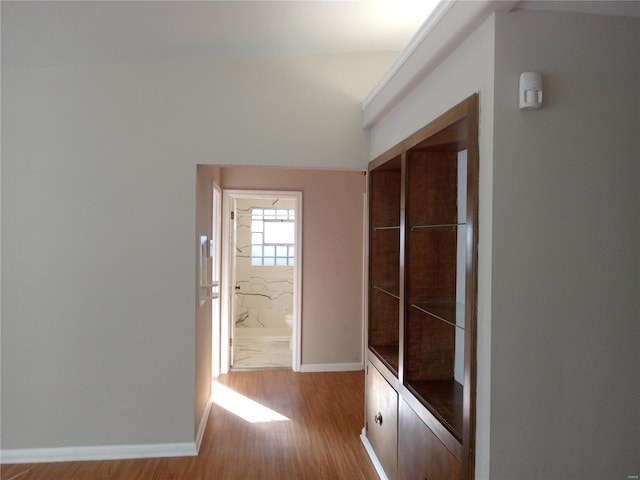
x=331 y=367
x=227 y=290
x=445 y=29
x=429 y=24
x=365 y=277
x=372 y=455
x=203 y=424
x=110 y=452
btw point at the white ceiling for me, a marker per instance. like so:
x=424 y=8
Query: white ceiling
x=37 y=33
x=624 y=8
x=77 y=32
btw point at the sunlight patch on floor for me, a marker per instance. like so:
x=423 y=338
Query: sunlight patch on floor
x=243 y=407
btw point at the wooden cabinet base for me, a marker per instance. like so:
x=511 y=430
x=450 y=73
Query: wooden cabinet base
x=421 y=456
x=382 y=420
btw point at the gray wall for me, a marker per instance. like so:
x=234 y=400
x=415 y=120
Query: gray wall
x=98 y=227
x=559 y=266
x=566 y=269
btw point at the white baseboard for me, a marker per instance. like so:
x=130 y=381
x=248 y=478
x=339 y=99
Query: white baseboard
x=203 y=423
x=372 y=455
x=331 y=367
x=112 y=452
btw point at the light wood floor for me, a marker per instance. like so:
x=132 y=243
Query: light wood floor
x=320 y=440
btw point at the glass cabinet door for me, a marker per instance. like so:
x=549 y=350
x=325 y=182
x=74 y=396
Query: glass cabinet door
x=384 y=261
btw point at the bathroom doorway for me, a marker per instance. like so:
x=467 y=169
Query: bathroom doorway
x=262 y=264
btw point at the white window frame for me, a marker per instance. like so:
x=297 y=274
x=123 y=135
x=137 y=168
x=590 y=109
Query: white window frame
x=271 y=254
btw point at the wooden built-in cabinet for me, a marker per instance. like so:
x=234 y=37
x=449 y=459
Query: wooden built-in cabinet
x=422 y=293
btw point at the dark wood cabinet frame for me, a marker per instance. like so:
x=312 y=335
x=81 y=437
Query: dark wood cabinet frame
x=413 y=225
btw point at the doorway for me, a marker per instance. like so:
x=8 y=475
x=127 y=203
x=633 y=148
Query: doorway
x=261 y=268
x=216 y=256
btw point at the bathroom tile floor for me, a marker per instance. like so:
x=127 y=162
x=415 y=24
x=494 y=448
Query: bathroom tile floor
x=252 y=353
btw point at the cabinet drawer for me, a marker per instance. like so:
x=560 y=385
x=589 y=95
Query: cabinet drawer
x=421 y=456
x=382 y=420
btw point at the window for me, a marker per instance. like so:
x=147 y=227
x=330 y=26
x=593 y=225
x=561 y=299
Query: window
x=272 y=236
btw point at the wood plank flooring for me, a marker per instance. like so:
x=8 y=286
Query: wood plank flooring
x=320 y=440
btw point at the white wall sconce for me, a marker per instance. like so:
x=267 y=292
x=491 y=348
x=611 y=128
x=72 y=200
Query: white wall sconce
x=530 y=91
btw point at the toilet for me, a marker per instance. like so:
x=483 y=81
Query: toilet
x=289 y=320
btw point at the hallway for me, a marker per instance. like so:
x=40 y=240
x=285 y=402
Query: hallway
x=313 y=434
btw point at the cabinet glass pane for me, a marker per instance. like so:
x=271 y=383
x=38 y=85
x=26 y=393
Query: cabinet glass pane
x=436 y=274
x=436 y=188
x=384 y=311
x=433 y=366
x=385 y=191
x=385 y=260
x=436 y=258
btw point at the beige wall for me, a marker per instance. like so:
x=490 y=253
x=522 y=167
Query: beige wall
x=332 y=239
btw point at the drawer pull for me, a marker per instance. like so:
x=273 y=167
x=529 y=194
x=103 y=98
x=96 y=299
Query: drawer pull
x=378 y=418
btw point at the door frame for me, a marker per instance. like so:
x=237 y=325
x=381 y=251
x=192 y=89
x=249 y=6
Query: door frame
x=216 y=236
x=227 y=288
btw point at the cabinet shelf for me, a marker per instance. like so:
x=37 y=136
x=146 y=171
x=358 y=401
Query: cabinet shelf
x=438 y=225
x=392 y=227
x=444 y=399
x=388 y=354
x=386 y=290
x=452 y=313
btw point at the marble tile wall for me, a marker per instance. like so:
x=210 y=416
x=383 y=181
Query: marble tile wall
x=265 y=296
